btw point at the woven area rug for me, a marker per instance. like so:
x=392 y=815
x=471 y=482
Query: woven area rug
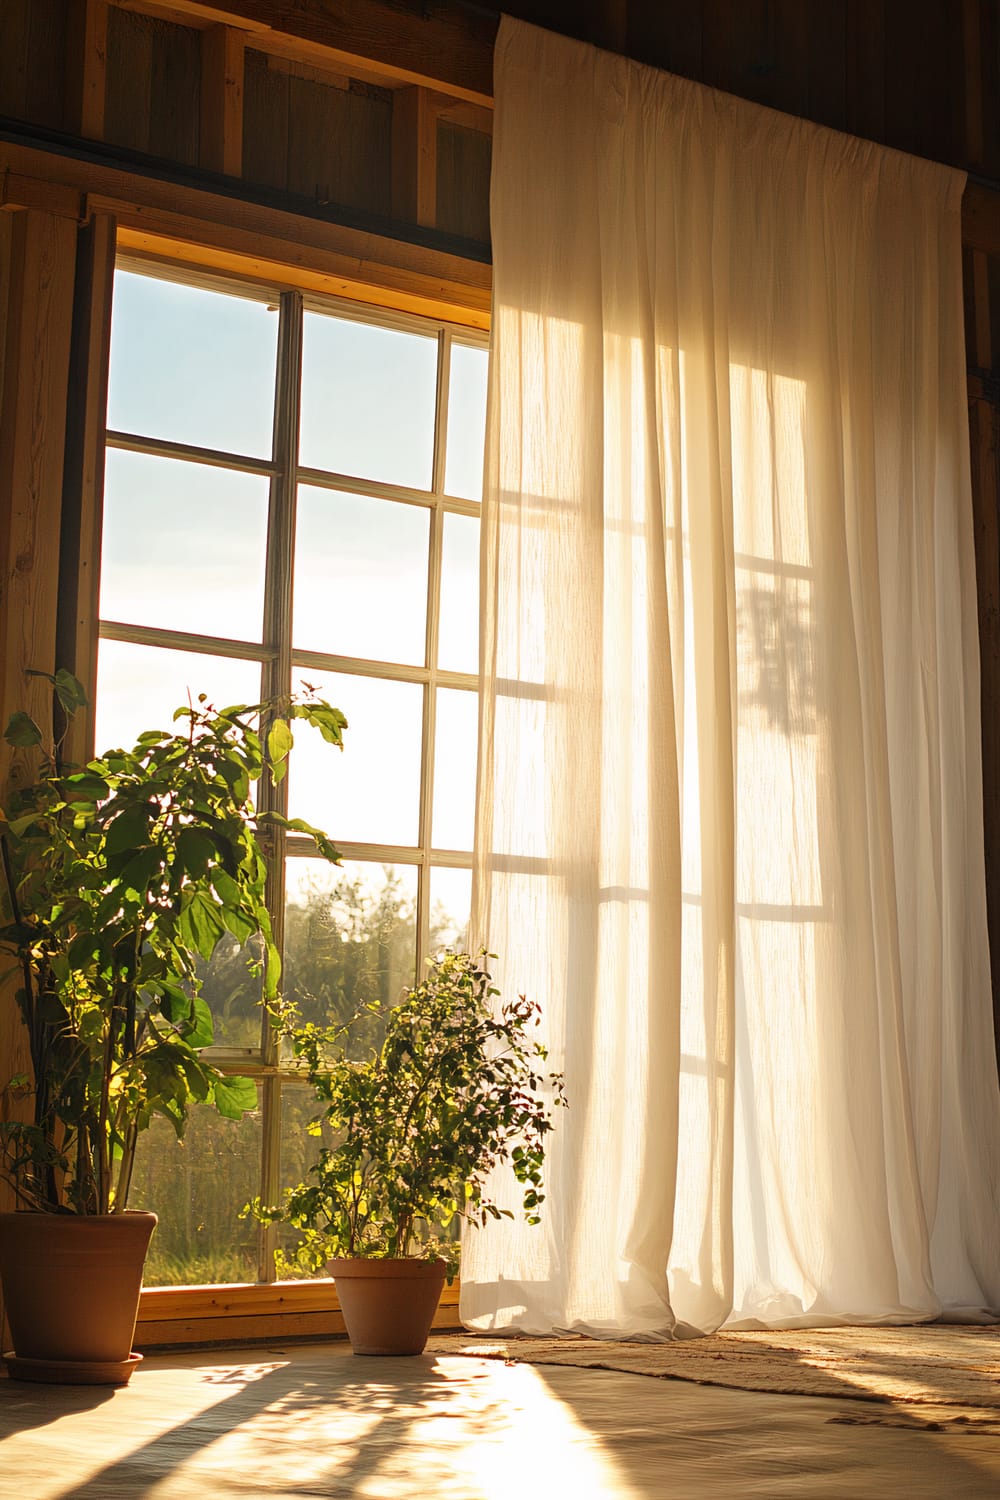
x=940 y=1377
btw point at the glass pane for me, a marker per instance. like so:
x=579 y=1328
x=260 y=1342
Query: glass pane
x=370 y=794
x=233 y=995
x=138 y=687
x=368 y=398
x=458 y=636
x=183 y=546
x=466 y=422
x=197 y=1186
x=299 y=1151
x=350 y=936
x=360 y=576
x=455 y=750
x=451 y=901
x=192 y=366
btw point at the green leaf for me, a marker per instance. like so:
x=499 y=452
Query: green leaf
x=330 y=722
x=279 y=743
x=141 y=869
x=239 y=924
x=22 y=731
x=20 y=826
x=234 y=1096
x=82 y=950
x=86 y=784
x=69 y=691
x=323 y=844
x=272 y=972
x=128 y=830
x=195 y=850
x=202 y=1028
x=200 y=924
x=174 y=1002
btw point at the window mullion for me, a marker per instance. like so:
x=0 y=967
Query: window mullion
x=277 y=681
x=431 y=658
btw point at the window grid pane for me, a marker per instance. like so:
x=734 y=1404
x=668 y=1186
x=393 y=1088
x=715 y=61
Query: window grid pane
x=369 y=567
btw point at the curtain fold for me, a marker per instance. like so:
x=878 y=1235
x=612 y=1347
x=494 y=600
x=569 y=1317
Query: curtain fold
x=729 y=825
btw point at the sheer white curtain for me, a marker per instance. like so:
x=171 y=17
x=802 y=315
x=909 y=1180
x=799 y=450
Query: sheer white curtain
x=730 y=805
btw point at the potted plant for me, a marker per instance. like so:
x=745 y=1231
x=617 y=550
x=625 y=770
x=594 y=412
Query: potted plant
x=119 y=880
x=453 y=1088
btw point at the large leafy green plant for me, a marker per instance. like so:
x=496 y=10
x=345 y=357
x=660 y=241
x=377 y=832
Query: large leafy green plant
x=120 y=879
x=413 y=1130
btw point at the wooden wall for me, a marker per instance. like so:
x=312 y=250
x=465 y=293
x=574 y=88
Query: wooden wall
x=921 y=75
x=279 y=115
x=152 y=96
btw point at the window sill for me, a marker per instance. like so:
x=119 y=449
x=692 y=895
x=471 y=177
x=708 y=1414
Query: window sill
x=183 y=1315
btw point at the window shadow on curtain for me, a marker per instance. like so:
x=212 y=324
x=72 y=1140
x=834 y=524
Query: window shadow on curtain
x=730 y=803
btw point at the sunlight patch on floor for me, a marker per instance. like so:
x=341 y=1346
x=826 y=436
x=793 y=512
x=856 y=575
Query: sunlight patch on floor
x=463 y=1434
x=564 y=1457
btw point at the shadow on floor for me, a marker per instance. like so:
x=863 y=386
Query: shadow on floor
x=293 y=1404
x=326 y=1423
x=30 y=1403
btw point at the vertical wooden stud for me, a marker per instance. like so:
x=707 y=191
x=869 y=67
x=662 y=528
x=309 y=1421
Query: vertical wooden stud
x=222 y=69
x=32 y=437
x=42 y=263
x=83 y=470
x=973 y=77
x=414 y=156
x=86 y=67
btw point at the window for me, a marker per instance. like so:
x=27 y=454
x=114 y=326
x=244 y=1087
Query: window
x=292 y=494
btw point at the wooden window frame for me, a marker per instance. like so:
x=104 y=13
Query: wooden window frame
x=170 y=1315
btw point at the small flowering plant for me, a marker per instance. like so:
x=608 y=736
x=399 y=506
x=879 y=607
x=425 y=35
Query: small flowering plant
x=412 y=1131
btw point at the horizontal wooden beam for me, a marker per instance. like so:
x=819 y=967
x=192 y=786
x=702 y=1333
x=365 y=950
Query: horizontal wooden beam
x=450 y=49
x=22 y=190
x=163 y=1303
x=244 y=238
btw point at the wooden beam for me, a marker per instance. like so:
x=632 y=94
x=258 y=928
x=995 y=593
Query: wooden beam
x=981 y=218
x=225 y=231
x=972 y=54
x=164 y=1303
x=32 y=436
x=460 y=112
x=37 y=320
x=450 y=49
x=222 y=63
x=414 y=156
x=20 y=191
x=979 y=294
x=83 y=476
x=86 y=64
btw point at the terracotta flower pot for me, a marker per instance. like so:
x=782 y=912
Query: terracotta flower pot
x=388 y=1305
x=71 y=1290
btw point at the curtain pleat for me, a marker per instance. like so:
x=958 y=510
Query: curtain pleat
x=729 y=826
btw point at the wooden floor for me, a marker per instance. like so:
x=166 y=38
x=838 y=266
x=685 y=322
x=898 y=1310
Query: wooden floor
x=316 y=1421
